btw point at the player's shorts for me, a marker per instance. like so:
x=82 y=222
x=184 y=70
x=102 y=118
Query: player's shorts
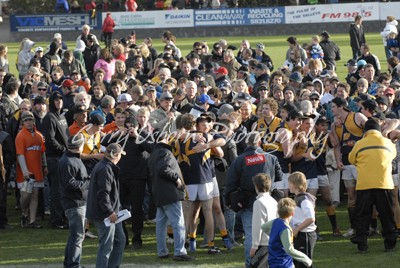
x=312 y=183
x=323 y=180
x=200 y=192
x=283 y=184
x=349 y=176
x=215 y=192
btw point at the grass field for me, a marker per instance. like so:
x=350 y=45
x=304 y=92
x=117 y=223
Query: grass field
x=276 y=47
x=26 y=247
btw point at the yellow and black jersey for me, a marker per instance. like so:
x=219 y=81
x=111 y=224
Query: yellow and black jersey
x=321 y=147
x=268 y=132
x=304 y=165
x=278 y=150
x=348 y=133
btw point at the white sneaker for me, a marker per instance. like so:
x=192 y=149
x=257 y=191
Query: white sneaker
x=349 y=233
x=170 y=240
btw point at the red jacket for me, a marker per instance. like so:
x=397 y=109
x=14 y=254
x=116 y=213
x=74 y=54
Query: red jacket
x=131 y=5
x=108 y=25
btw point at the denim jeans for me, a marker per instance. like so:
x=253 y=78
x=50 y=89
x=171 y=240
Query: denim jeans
x=111 y=245
x=247 y=217
x=73 y=249
x=173 y=214
x=230 y=223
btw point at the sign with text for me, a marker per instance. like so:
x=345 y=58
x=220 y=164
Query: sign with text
x=153 y=19
x=53 y=23
x=388 y=9
x=331 y=13
x=239 y=16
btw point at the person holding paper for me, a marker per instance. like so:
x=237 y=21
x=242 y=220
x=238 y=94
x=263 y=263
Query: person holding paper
x=102 y=203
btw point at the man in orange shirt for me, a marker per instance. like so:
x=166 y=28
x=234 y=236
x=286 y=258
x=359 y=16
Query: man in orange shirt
x=118 y=123
x=80 y=117
x=30 y=150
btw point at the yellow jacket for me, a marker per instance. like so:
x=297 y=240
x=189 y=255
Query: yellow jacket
x=372 y=156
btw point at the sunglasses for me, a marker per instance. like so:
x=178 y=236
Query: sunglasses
x=314 y=99
x=42 y=89
x=27 y=120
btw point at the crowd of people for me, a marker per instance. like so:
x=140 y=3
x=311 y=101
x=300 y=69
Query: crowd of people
x=219 y=134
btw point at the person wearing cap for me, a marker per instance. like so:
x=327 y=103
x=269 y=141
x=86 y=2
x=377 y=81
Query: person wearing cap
x=165 y=116
x=228 y=95
x=262 y=74
x=91 y=54
x=203 y=87
x=357 y=36
x=51 y=58
x=14 y=123
x=289 y=95
x=370 y=58
x=202 y=104
x=74 y=183
x=295 y=80
x=390 y=94
x=103 y=202
x=80 y=118
x=240 y=173
x=347 y=130
x=55 y=132
x=317 y=108
x=68 y=88
x=194 y=60
x=221 y=75
x=372 y=164
x=383 y=105
x=331 y=51
x=38 y=54
x=353 y=74
x=39 y=110
x=31 y=163
x=230 y=63
x=168 y=192
x=179 y=99
x=76 y=77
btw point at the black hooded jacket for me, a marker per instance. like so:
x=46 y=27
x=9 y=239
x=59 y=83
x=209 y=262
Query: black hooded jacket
x=55 y=130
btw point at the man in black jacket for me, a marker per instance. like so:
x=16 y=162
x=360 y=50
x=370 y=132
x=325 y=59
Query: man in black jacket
x=168 y=192
x=74 y=185
x=91 y=55
x=103 y=202
x=56 y=134
x=357 y=37
x=331 y=51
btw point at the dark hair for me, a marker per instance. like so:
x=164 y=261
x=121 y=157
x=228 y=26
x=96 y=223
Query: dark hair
x=372 y=124
x=292 y=40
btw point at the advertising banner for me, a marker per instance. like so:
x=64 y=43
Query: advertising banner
x=239 y=16
x=53 y=23
x=388 y=9
x=153 y=19
x=331 y=13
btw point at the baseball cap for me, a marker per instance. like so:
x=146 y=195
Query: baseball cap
x=260 y=46
x=314 y=94
x=90 y=37
x=210 y=115
x=39 y=49
x=225 y=109
x=196 y=72
x=96 y=119
x=216 y=46
x=74 y=72
x=325 y=34
x=389 y=91
x=261 y=66
x=39 y=100
x=114 y=149
x=193 y=56
x=166 y=96
x=203 y=118
x=351 y=62
x=57 y=35
x=67 y=83
x=243 y=96
x=225 y=84
x=395 y=84
x=322 y=120
x=178 y=92
x=203 y=84
x=204 y=98
x=150 y=88
x=57 y=95
x=78 y=108
x=125 y=97
x=27 y=115
x=296 y=76
x=296 y=114
x=382 y=100
x=35 y=71
x=221 y=70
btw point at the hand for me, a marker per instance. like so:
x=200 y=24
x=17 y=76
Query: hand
x=171 y=115
x=252 y=252
x=309 y=155
x=340 y=166
x=113 y=217
x=200 y=147
x=295 y=232
x=45 y=171
x=199 y=138
x=179 y=183
x=133 y=131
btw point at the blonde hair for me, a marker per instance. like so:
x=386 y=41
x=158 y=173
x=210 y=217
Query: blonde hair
x=316 y=38
x=236 y=84
x=299 y=180
x=286 y=207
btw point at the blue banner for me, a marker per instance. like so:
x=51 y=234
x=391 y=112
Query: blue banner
x=53 y=23
x=239 y=16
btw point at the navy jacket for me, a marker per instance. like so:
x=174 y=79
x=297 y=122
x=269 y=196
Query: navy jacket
x=251 y=162
x=103 y=196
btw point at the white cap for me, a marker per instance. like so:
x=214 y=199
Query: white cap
x=124 y=97
x=39 y=49
x=57 y=36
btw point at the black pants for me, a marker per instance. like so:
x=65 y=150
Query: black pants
x=57 y=216
x=3 y=202
x=132 y=195
x=305 y=242
x=382 y=199
x=107 y=39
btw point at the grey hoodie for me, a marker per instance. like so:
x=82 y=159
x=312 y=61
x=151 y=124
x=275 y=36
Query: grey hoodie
x=25 y=56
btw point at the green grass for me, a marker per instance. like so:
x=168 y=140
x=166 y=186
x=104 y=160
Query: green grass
x=276 y=47
x=19 y=247
x=24 y=247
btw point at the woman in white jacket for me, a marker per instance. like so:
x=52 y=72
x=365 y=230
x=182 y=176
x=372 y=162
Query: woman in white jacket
x=391 y=26
x=25 y=55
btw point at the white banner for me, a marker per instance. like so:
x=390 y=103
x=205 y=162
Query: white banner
x=331 y=12
x=153 y=19
x=388 y=9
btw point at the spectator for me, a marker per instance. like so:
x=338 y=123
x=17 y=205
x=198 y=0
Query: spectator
x=106 y=63
x=25 y=55
x=91 y=55
x=391 y=26
x=357 y=37
x=370 y=58
x=62 y=6
x=108 y=29
x=292 y=41
x=331 y=51
x=3 y=58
